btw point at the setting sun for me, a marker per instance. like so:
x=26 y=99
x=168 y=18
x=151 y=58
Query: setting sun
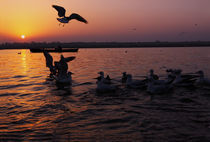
x=22 y=36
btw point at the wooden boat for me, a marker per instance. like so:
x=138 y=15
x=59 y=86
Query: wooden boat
x=38 y=50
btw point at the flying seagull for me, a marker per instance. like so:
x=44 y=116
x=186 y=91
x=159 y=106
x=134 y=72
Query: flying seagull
x=64 y=19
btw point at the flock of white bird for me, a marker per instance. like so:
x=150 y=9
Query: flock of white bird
x=151 y=83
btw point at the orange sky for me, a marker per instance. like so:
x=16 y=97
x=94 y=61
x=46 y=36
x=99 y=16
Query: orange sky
x=110 y=20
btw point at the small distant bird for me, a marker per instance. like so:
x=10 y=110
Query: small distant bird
x=64 y=19
x=134 y=29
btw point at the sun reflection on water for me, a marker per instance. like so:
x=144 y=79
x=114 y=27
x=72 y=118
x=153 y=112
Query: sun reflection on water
x=24 y=63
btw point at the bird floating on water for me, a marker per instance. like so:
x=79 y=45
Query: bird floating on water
x=58 y=71
x=64 y=19
x=154 y=88
x=134 y=84
x=106 y=80
x=103 y=87
x=183 y=80
x=202 y=80
x=152 y=75
x=64 y=79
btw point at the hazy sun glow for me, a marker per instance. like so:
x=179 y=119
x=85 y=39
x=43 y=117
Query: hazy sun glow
x=22 y=36
x=108 y=20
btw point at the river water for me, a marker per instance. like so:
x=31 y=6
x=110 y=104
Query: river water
x=34 y=108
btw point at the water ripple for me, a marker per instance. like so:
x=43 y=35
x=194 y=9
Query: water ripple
x=34 y=108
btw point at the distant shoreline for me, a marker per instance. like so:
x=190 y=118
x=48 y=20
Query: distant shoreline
x=104 y=45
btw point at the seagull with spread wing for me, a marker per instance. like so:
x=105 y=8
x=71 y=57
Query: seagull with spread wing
x=64 y=19
x=61 y=66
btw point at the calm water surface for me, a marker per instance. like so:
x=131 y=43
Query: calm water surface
x=34 y=108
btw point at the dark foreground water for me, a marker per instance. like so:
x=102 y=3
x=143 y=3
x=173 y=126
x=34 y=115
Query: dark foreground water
x=34 y=108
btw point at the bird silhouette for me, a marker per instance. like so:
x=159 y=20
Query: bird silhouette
x=64 y=19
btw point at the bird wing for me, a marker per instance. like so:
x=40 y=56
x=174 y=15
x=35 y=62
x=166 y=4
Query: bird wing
x=49 y=59
x=77 y=17
x=61 y=10
x=67 y=59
